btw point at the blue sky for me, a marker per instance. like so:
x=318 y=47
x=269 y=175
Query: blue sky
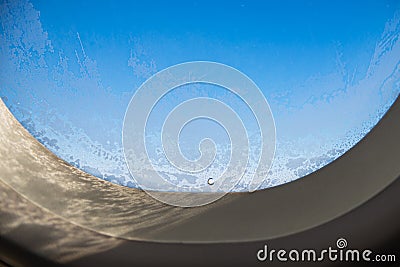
x=269 y=40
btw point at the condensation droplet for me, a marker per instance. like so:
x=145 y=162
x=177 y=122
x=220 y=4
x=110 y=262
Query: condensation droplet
x=210 y=181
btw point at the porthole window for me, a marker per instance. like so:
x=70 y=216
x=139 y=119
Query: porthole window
x=328 y=71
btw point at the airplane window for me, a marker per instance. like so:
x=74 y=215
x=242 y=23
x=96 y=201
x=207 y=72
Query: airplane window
x=328 y=71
